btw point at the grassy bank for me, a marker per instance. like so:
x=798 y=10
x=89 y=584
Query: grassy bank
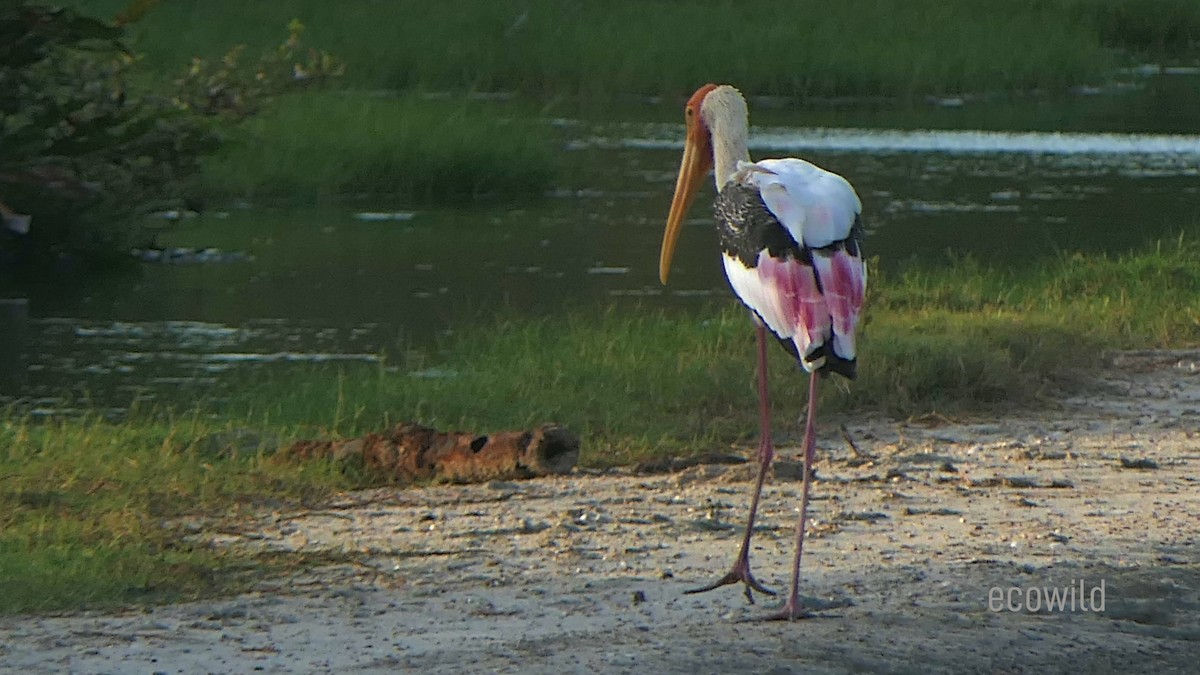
x=86 y=507
x=616 y=47
x=637 y=384
x=331 y=144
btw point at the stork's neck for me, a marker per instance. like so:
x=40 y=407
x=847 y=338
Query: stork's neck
x=724 y=111
x=728 y=150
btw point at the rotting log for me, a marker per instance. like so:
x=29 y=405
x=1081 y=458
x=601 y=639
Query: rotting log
x=412 y=452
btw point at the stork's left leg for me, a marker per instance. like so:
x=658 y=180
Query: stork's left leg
x=793 y=608
x=766 y=452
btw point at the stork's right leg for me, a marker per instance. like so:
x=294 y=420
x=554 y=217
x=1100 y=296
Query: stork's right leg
x=766 y=453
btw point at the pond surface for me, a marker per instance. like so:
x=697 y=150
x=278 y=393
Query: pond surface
x=1009 y=182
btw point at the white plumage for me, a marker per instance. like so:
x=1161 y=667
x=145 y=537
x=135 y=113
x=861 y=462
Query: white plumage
x=810 y=306
x=817 y=207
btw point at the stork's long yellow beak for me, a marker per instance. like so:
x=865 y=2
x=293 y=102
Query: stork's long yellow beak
x=692 y=170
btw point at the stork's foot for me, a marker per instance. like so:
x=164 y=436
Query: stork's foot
x=789 y=612
x=801 y=607
x=740 y=572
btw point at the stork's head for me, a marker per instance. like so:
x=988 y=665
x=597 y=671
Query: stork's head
x=702 y=109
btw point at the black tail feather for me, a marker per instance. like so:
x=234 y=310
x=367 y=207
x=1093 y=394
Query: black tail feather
x=847 y=368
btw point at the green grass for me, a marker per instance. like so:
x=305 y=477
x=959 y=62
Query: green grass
x=615 y=47
x=323 y=145
x=638 y=384
x=86 y=512
x=651 y=384
x=1149 y=29
x=88 y=509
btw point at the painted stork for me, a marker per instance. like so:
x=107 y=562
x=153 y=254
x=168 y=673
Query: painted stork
x=790 y=235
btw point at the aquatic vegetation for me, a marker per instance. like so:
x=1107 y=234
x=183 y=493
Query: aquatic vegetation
x=327 y=145
x=618 y=47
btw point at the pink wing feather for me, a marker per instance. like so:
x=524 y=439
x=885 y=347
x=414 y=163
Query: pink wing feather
x=844 y=283
x=812 y=304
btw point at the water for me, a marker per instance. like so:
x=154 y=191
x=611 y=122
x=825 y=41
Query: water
x=352 y=283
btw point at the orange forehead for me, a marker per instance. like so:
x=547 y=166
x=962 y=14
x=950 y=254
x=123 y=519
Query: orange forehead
x=698 y=97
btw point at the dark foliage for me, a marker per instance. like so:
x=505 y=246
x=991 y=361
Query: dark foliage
x=82 y=155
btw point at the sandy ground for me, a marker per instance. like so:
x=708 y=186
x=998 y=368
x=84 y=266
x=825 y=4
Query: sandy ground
x=586 y=573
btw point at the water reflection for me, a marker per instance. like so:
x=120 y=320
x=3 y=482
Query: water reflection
x=122 y=363
x=1140 y=147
